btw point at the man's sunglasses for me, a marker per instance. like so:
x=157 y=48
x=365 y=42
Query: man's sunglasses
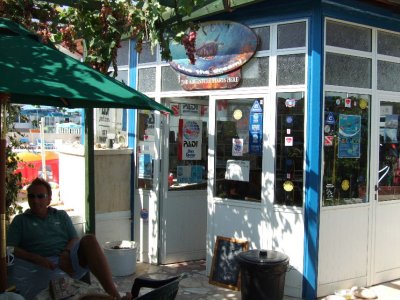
x=38 y=196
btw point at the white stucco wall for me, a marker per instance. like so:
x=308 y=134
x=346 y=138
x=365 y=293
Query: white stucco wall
x=112 y=190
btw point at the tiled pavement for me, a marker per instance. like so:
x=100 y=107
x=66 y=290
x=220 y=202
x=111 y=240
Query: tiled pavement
x=196 y=287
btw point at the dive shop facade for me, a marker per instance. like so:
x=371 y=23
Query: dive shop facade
x=291 y=143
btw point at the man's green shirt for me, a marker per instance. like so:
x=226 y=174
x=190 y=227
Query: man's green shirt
x=46 y=237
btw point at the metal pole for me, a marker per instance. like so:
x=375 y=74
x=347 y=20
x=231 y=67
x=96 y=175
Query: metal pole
x=43 y=150
x=3 y=131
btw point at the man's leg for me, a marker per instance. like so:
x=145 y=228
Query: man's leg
x=91 y=255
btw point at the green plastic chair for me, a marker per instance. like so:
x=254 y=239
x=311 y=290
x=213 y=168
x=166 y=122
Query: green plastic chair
x=164 y=289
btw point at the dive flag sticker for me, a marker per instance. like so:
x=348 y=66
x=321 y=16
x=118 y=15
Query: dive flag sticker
x=328 y=141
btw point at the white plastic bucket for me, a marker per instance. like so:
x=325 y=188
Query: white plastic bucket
x=122 y=260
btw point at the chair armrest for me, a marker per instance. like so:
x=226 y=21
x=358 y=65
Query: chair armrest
x=149 y=283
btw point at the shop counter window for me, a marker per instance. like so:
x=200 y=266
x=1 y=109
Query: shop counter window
x=238 y=163
x=289 y=177
x=145 y=149
x=345 y=148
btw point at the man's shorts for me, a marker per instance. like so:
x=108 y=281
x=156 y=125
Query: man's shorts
x=79 y=271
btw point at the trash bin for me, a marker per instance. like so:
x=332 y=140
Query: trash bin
x=262 y=274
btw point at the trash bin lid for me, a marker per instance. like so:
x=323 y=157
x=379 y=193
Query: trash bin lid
x=262 y=257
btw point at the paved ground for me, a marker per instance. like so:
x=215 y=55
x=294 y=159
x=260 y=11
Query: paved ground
x=196 y=286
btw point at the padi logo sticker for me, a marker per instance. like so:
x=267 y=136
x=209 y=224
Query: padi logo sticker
x=191 y=130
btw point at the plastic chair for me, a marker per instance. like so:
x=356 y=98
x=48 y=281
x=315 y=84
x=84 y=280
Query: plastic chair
x=164 y=289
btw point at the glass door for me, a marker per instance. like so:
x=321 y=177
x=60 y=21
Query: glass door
x=183 y=199
x=386 y=257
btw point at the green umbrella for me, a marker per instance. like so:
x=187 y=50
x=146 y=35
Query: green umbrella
x=34 y=73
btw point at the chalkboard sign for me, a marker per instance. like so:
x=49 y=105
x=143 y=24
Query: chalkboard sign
x=225 y=269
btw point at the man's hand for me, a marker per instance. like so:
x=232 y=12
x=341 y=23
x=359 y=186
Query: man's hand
x=44 y=262
x=34 y=258
x=65 y=262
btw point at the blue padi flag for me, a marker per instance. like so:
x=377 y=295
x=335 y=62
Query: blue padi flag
x=256 y=128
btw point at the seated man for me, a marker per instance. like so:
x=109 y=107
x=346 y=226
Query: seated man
x=46 y=245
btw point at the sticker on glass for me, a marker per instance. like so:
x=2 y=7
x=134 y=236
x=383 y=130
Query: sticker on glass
x=330 y=119
x=329 y=191
x=290 y=102
x=345 y=185
x=288 y=141
x=288 y=186
x=363 y=103
x=327 y=128
x=328 y=140
x=349 y=136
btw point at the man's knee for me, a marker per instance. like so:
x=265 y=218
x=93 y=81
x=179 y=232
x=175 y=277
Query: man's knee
x=89 y=240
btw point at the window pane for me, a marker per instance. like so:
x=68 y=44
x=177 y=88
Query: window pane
x=146 y=55
x=122 y=76
x=346 y=142
x=389 y=168
x=147 y=80
x=388 y=43
x=256 y=72
x=239 y=149
x=289 y=149
x=263 y=34
x=291 y=69
x=145 y=149
x=388 y=76
x=348 y=36
x=292 y=35
x=346 y=70
x=169 y=80
x=188 y=146
x=123 y=54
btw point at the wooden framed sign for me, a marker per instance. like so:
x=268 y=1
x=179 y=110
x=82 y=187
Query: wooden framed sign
x=225 y=269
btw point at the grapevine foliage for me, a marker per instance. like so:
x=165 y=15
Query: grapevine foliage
x=101 y=25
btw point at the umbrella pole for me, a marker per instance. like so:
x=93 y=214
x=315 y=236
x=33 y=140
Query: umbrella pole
x=3 y=130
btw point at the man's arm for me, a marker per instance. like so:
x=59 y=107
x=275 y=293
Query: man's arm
x=65 y=258
x=34 y=258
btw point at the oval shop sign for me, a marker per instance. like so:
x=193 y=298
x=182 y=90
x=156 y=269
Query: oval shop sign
x=221 y=47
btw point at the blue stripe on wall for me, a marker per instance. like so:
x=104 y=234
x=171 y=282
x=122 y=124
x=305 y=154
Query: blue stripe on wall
x=313 y=155
x=131 y=128
x=362 y=13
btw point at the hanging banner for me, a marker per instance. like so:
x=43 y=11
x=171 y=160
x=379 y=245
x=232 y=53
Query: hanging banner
x=190 y=139
x=349 y=136
x=256 y=128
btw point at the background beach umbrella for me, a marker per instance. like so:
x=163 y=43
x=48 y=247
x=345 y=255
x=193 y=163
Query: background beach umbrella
x=39 y=74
